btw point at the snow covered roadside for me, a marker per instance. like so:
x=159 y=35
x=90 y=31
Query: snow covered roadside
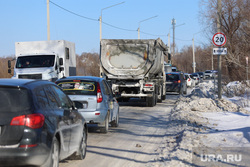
x=202 y=125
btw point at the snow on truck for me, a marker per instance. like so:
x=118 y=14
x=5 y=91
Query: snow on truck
x=47 y=60
x=134 y=68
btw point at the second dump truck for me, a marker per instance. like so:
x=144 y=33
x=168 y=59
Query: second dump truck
x=135 y=68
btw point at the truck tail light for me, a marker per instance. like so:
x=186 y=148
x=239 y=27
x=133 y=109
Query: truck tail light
x=99 y=93
x=33 y=121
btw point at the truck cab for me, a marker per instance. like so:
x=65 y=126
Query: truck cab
x=46 y=60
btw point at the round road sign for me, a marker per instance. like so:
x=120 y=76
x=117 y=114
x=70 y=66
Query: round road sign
x=219 y=39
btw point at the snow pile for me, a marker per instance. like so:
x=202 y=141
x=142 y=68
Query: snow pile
x=237 y=88
x=202 y=121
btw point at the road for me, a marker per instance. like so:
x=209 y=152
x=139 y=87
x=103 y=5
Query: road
x=134 y=142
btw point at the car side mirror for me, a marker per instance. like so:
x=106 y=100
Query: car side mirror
x=61 y=61
x=61 y=69
x=9 y=64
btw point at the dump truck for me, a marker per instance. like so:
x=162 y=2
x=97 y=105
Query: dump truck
x=46 y=60
x=134 y=68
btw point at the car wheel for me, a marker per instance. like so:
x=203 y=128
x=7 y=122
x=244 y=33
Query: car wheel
x=115 y=123
x=106 y=124
x=81 y=154
x=53 y=160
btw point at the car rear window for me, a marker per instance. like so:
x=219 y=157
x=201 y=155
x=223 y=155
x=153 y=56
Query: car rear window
x=172 y=77
x=78 y=87
x=14 y=99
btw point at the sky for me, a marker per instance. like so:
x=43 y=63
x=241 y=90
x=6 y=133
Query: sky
x=77 y=21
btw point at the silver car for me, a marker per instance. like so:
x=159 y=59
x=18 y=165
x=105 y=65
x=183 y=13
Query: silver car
x=93 y=98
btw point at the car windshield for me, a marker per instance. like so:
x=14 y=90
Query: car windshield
x=208 y=71
x=78 y=87
x=35 y=61
x=172 y=77
x=14 y=100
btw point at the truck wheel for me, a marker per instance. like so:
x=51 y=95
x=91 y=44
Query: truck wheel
x=156 y=96
x=160 y=95
x=151 y=100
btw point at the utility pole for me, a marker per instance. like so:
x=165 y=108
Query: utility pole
x=48 y=22
x=173 y=23
x=169 y=53
x=194 y=64
x=219 y=56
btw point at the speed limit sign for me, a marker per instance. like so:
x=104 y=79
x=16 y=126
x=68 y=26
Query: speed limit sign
x=219 y=39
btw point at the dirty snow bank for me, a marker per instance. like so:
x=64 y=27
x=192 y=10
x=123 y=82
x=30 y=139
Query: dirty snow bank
x=202 y=121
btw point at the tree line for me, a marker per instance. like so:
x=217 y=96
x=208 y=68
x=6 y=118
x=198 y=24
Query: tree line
x=235 y=24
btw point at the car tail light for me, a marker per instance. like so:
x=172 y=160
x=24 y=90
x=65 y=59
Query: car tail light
x=33 y=121
x=20 y=120
x=149 y=85
x=99 y=93
x=179 y=81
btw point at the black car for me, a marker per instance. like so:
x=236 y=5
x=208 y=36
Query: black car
x=39 y=124
x=175 y=82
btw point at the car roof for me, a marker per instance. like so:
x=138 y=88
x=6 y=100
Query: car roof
x=89 y=78
x=26 y=83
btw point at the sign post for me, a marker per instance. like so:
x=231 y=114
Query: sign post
x=247 y=66
x=219 y=39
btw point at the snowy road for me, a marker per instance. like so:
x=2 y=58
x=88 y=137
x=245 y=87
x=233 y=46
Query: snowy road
x=134 y=142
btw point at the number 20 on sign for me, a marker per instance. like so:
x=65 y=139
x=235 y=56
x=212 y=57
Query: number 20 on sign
x=219 y=39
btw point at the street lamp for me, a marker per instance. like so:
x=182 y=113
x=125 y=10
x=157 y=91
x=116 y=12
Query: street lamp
x=100 y=18
x=141 y=22
x=194 y=63
x=173 y=22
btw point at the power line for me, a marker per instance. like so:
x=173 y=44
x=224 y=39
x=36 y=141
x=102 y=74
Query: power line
x=124 y=29
x=92 y=19
x=88 y=18
x=153 y=34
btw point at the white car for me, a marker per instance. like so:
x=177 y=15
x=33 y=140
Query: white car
x=209 y=74
x=196 y=77
x=190 y=81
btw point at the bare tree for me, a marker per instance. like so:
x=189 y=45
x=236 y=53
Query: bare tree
x=4 y=67
x=88 y=64
x=236 y=26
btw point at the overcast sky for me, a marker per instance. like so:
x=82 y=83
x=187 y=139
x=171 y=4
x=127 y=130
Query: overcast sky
x=26 y=20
